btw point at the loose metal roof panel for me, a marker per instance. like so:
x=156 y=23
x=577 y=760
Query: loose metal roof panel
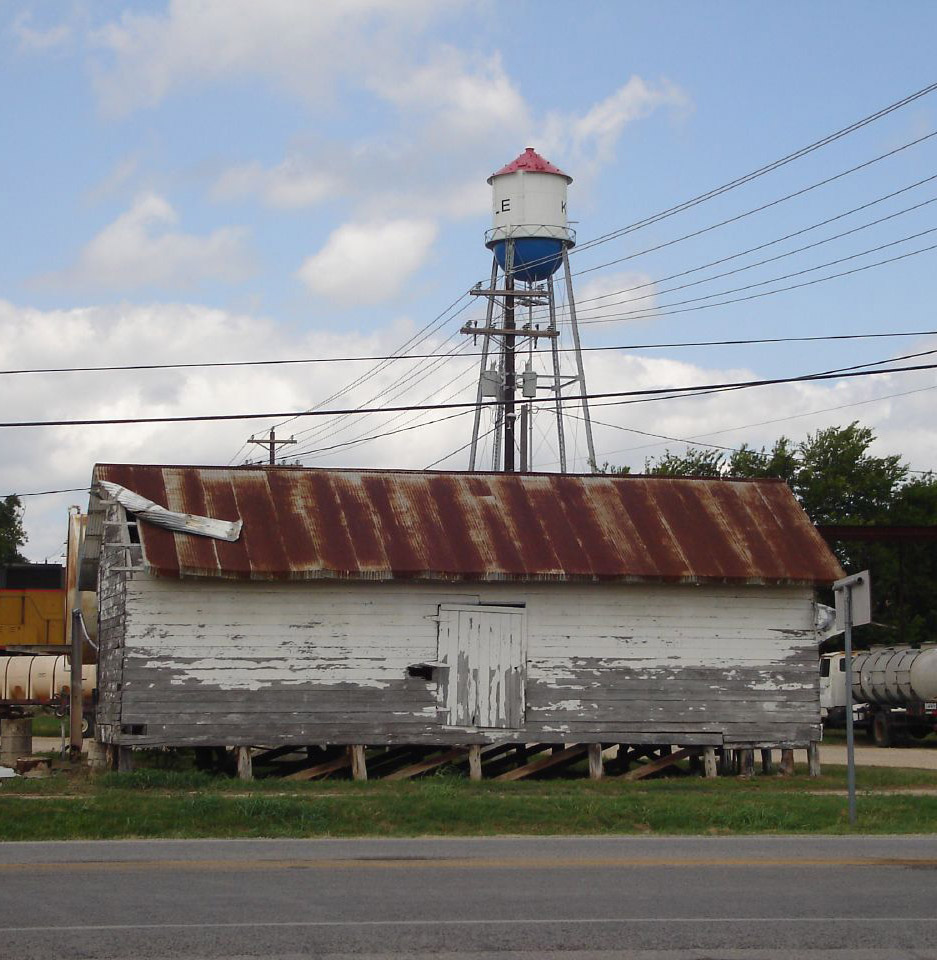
x=301 y=523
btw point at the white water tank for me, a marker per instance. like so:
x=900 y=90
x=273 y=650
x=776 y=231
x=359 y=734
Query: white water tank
x=529 y=207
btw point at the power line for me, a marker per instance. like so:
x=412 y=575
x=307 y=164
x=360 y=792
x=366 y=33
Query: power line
x=756 y=263
x=748 y=341
x=366 y=437
x=664 y=311
x=760 y=208
x=387 y=433
x=421 y=335
x=649 y=393
x=785 y=276
x=46 y=493
x=760 y=246
x=760 y=423
x=398 y=388
x=464 y=446
x=767 y=168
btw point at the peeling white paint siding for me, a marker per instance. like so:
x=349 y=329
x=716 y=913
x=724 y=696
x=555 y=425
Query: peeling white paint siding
x=323 y=661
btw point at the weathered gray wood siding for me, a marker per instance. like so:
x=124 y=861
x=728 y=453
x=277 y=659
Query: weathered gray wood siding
x=221 y=662
x=112 y=602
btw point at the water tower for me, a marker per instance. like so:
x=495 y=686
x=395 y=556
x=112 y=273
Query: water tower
x=530 y=239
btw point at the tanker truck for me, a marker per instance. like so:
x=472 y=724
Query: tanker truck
x=45 y=681
x=894 y=692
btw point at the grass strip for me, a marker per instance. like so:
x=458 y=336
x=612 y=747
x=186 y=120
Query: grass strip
x=185 y=806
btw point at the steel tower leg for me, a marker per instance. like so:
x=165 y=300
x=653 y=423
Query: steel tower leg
x=593 y=466
x=557 y=387
x=473 y=452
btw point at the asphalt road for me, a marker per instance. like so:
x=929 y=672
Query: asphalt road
x=865 y=898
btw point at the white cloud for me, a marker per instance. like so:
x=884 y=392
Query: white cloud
x=291 y=185
x=466 y=96
x=35 y=40
x=367 y=263
x=589 y=140
x=302 y=46
x=139 y=250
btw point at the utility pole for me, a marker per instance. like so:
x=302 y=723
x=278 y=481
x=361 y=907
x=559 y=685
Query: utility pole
x=272 y=443
x=509 y=367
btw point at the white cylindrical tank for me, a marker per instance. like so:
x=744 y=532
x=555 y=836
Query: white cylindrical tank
x=529 y=207
x=895 y=675
x=42 y=678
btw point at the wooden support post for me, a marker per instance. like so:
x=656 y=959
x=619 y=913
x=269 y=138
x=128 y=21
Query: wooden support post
x=359 y=766
x=813 y=758
x=728 y=762
x=746 y=763
x=766 y=763
x=475 y=761
x=124 y=760
x=245 y=763
x=595 y=761
x=709 y=762
x=787 y=763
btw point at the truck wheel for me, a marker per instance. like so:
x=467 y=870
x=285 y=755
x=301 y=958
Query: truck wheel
x=883 y=732
x=87 y=726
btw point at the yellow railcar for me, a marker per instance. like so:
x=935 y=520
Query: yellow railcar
x=32 y=606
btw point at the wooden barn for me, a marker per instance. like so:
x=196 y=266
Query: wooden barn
x=370 y=607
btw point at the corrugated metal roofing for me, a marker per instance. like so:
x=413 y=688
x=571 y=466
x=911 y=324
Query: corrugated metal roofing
x=530 y=162
x=302 y=523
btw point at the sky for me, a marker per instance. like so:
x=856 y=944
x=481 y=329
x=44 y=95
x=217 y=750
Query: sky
x=226 y=180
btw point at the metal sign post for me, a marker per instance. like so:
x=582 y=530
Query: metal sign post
x=853 y=607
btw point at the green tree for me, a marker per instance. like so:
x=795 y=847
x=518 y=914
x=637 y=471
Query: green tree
x=694 y=463
x=12 y=534
x=839 y=481
x=780 y=462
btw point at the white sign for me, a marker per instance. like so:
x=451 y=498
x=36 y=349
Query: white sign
x=860 y=586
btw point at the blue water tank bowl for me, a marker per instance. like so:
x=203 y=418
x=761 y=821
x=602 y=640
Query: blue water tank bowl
x=535 y=258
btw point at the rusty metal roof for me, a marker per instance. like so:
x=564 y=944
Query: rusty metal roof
x=302 y=523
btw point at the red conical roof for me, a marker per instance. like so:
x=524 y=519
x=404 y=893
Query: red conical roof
x=531 y=162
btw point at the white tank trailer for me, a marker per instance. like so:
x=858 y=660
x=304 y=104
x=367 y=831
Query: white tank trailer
x=894 y=688
x=46 y=681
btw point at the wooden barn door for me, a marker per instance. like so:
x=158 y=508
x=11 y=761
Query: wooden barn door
x=483 y=658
